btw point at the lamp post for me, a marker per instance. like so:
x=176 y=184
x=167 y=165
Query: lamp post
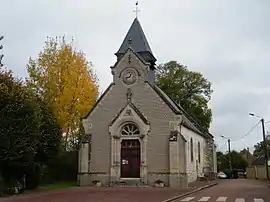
x=229 y=154
x=264 y=144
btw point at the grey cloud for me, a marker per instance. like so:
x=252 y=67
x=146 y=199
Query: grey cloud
x=228 y=41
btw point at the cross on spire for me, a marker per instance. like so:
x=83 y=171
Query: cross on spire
x=137 y=9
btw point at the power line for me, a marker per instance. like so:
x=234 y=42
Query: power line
x=246 y=134
x=223 y=145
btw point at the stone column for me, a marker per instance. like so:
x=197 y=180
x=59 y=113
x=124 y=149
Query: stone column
x=143 y=166
x=174 y=160
x=83 y=166
x=115 y=158
x=215 y=158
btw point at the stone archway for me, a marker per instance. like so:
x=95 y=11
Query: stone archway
x=128 y=128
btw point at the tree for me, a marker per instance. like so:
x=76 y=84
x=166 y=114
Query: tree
x=259 y=148
x=29 y=133
x=48 y=147
x=19 y=131
x=188 y=88
x=238 y=162
x=245 y=153
x=50 y=140
x=63 y=77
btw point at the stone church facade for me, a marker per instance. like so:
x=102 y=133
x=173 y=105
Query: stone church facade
x=135 y=132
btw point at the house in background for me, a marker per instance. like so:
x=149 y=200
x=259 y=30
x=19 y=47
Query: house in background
x=257 y=169
x=136 y=133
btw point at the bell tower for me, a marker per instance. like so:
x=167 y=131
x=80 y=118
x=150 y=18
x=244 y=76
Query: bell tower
x=136 y=39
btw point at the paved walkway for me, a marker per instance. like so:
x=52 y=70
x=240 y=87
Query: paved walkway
x=103 y=194
x=240 y=190
x=91 y=194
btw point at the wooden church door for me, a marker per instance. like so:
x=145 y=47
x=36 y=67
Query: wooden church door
x=130 y=159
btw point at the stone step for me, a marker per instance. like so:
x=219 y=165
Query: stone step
x=129 y=183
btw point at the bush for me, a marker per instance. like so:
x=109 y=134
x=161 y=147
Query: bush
x=32 y=178
x=63 y=168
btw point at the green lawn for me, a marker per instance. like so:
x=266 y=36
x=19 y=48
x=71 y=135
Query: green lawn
x=58 y=185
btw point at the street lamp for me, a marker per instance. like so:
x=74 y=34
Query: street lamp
x=264 y=145
x=229 y=148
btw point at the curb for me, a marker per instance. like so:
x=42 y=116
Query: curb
x=190 y=192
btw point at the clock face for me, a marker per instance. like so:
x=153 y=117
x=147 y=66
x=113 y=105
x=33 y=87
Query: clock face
x=129 y=76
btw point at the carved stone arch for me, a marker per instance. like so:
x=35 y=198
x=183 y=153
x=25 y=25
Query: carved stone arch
x=132 y=117
x=129 y=129
x=138 y=121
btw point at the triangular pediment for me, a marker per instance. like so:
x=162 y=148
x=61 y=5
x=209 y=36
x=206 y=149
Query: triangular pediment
x=130 y=55
x=130 y=112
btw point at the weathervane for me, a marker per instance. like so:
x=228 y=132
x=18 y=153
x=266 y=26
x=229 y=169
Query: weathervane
x=137 y=9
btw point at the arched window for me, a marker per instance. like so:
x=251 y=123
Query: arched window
x=191 y=149
x=130 y=129
x=199 y=152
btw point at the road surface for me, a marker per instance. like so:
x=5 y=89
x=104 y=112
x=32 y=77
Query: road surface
x=240 y=190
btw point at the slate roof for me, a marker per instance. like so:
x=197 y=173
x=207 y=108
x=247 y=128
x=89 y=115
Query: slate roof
x=188 y=121
x=136 y=39
x=259 y=161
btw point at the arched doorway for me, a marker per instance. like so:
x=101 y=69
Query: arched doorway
x=130 y=152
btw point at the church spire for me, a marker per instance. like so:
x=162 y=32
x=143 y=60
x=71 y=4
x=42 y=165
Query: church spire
x=139 y=43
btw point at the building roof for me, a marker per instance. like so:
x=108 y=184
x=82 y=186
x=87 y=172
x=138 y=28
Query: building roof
x=259 y=161
x=99 y=99
x=136 y=39
x=188 y=121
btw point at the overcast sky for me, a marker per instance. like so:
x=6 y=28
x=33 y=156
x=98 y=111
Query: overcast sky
x=228 y=41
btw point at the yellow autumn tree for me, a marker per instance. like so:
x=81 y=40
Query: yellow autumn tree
x=64 y=78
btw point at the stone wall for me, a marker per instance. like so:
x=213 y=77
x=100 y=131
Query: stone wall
x=194 y=167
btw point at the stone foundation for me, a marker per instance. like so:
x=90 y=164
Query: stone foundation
x=169 y=180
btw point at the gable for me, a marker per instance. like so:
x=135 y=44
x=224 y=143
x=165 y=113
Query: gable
x=128 y=110
x=98 y=101
x=129 y=114
x=128 y=58
x=178 y=110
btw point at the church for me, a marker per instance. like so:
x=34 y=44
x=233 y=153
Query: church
x=136 y=133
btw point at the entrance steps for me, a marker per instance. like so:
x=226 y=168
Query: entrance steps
x=129 y=183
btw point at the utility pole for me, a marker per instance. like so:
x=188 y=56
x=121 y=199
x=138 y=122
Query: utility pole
x=230 y=159
x=229 y=154
x=265 y=149
x=248 y=156
x=264 y=145
x=1 y=55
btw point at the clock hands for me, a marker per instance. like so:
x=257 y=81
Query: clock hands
x=128 y=75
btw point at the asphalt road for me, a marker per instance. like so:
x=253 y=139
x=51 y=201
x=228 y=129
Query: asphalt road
x=240 y=190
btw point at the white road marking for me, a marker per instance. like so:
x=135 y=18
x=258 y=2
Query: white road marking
x=205 y=198
x=240 y=200
x=222 y=198
x=188 y=199
x=258 y=200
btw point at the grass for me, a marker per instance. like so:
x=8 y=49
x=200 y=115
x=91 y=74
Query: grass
x=58 y=185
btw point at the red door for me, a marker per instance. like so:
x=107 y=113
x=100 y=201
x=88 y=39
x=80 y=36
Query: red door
x=130 y=159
